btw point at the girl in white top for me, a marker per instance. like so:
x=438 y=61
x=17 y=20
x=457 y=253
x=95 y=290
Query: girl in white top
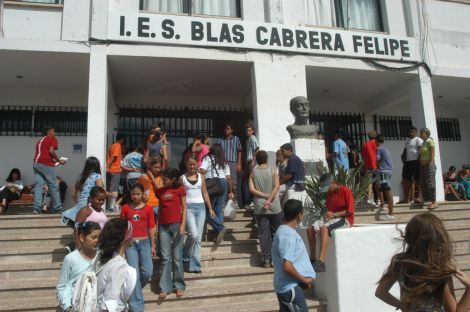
x=196 y=200
x=214 y=166
x=116 y=279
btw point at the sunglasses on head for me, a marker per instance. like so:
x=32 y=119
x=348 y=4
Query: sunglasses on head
x=83 y=226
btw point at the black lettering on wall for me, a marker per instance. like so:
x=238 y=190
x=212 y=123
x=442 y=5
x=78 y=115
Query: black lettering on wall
x=368 y=46
x=168 y=31
x=314 y=40
x=405 y=49
x=357 y=42
x=259 y=30
x=287 y=38
x=225 y=34
x=275 y=37
x=238 y=35
x=394 y=45
x=300 y=38
x=377 y=47
x=339 y=43
x=197 y=31
x=143 y=27
x=209 y=33
x=326 y=41
x=122 y=25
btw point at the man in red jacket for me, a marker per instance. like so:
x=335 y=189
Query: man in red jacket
x=369 y=157
x=339 y=215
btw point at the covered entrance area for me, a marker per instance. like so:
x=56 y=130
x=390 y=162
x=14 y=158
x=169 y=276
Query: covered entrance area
x=185 y=96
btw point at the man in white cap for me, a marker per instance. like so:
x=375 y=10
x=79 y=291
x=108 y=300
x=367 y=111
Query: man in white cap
x=340 y=214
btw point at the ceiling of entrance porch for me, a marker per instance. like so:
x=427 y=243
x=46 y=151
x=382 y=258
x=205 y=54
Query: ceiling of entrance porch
x=145 y=76
x=351 y=89
x=22 y=71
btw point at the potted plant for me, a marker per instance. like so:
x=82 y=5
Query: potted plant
x=352 y=178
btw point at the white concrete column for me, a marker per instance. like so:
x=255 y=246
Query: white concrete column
x=98 y=104
x=274 y=85
x=424 y=116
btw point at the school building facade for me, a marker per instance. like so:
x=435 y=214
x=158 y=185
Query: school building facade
x=92 y=68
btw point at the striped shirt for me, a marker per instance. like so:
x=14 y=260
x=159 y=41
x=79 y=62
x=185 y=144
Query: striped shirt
x=231 y=147
x=251 y=147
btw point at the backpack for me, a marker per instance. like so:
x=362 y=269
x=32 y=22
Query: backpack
x=85 y=293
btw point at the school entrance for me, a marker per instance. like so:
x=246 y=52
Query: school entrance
x=180 y=123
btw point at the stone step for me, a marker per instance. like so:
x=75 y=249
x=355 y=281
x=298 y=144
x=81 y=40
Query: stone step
x=40 y=287
x=264 y=301
x=404 y=217
x=60 y=238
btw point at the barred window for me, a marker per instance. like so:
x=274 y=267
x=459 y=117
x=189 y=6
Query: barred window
x=394 y=127
x=30 y=121
x=350 y=124
x=448 y=129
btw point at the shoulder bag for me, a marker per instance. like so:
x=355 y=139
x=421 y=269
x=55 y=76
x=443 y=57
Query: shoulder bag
x=213 y=185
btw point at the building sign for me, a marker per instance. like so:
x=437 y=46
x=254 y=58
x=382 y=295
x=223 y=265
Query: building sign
x=224 y=33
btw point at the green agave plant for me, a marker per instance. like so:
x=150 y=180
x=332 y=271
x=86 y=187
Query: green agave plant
x=350 y=178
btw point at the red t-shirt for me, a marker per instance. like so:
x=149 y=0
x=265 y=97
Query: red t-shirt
x=341 y=200
x=369 y=155
x=170 y=204
x=42 y=155
x=142 y=219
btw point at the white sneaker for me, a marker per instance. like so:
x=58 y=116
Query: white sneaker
x=383 y=210
x=386 y=217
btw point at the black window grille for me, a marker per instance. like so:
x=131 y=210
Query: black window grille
x=393 y=127
x=448 y=129
x=352 y=125
x=31 y=120
x=179 y=122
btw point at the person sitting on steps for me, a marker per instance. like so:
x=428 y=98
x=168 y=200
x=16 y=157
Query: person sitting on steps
x=339 y=215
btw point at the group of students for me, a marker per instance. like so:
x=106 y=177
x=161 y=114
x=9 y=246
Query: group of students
x=457 y=182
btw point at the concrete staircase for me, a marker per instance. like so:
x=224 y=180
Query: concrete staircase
x=31 y=252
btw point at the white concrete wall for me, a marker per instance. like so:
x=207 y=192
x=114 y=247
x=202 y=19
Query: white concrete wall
x=274 y=85
x=450 y=35
x=18 y=152
x=253 y=10
x=37 y=23
x=76 y=20
x=354 y=268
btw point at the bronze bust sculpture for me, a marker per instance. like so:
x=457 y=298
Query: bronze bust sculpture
x=301 y=128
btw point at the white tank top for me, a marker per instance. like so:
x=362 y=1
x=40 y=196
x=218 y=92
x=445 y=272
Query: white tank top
x=193 y=191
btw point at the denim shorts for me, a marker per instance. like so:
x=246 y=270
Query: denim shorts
x=385 y=180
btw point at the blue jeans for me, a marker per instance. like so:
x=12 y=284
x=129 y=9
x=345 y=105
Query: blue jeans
x=171 y=242
x=46 y=174
x=292 y=300
x=139 y=257
x=71 y=214
x=218 y=203
x=195 y=218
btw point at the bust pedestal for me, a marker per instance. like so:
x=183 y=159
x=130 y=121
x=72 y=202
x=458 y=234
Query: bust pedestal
x=312 y=153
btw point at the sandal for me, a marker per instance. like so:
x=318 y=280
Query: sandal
x=162 y=295
x=432 y=207
x=179 y=293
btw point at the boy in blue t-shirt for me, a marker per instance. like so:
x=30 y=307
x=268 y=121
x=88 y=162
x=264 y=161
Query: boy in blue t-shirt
x=340 y=152
x=293 y=271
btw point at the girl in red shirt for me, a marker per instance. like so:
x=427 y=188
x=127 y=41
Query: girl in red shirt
x=171 y=229
x=139 y=254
